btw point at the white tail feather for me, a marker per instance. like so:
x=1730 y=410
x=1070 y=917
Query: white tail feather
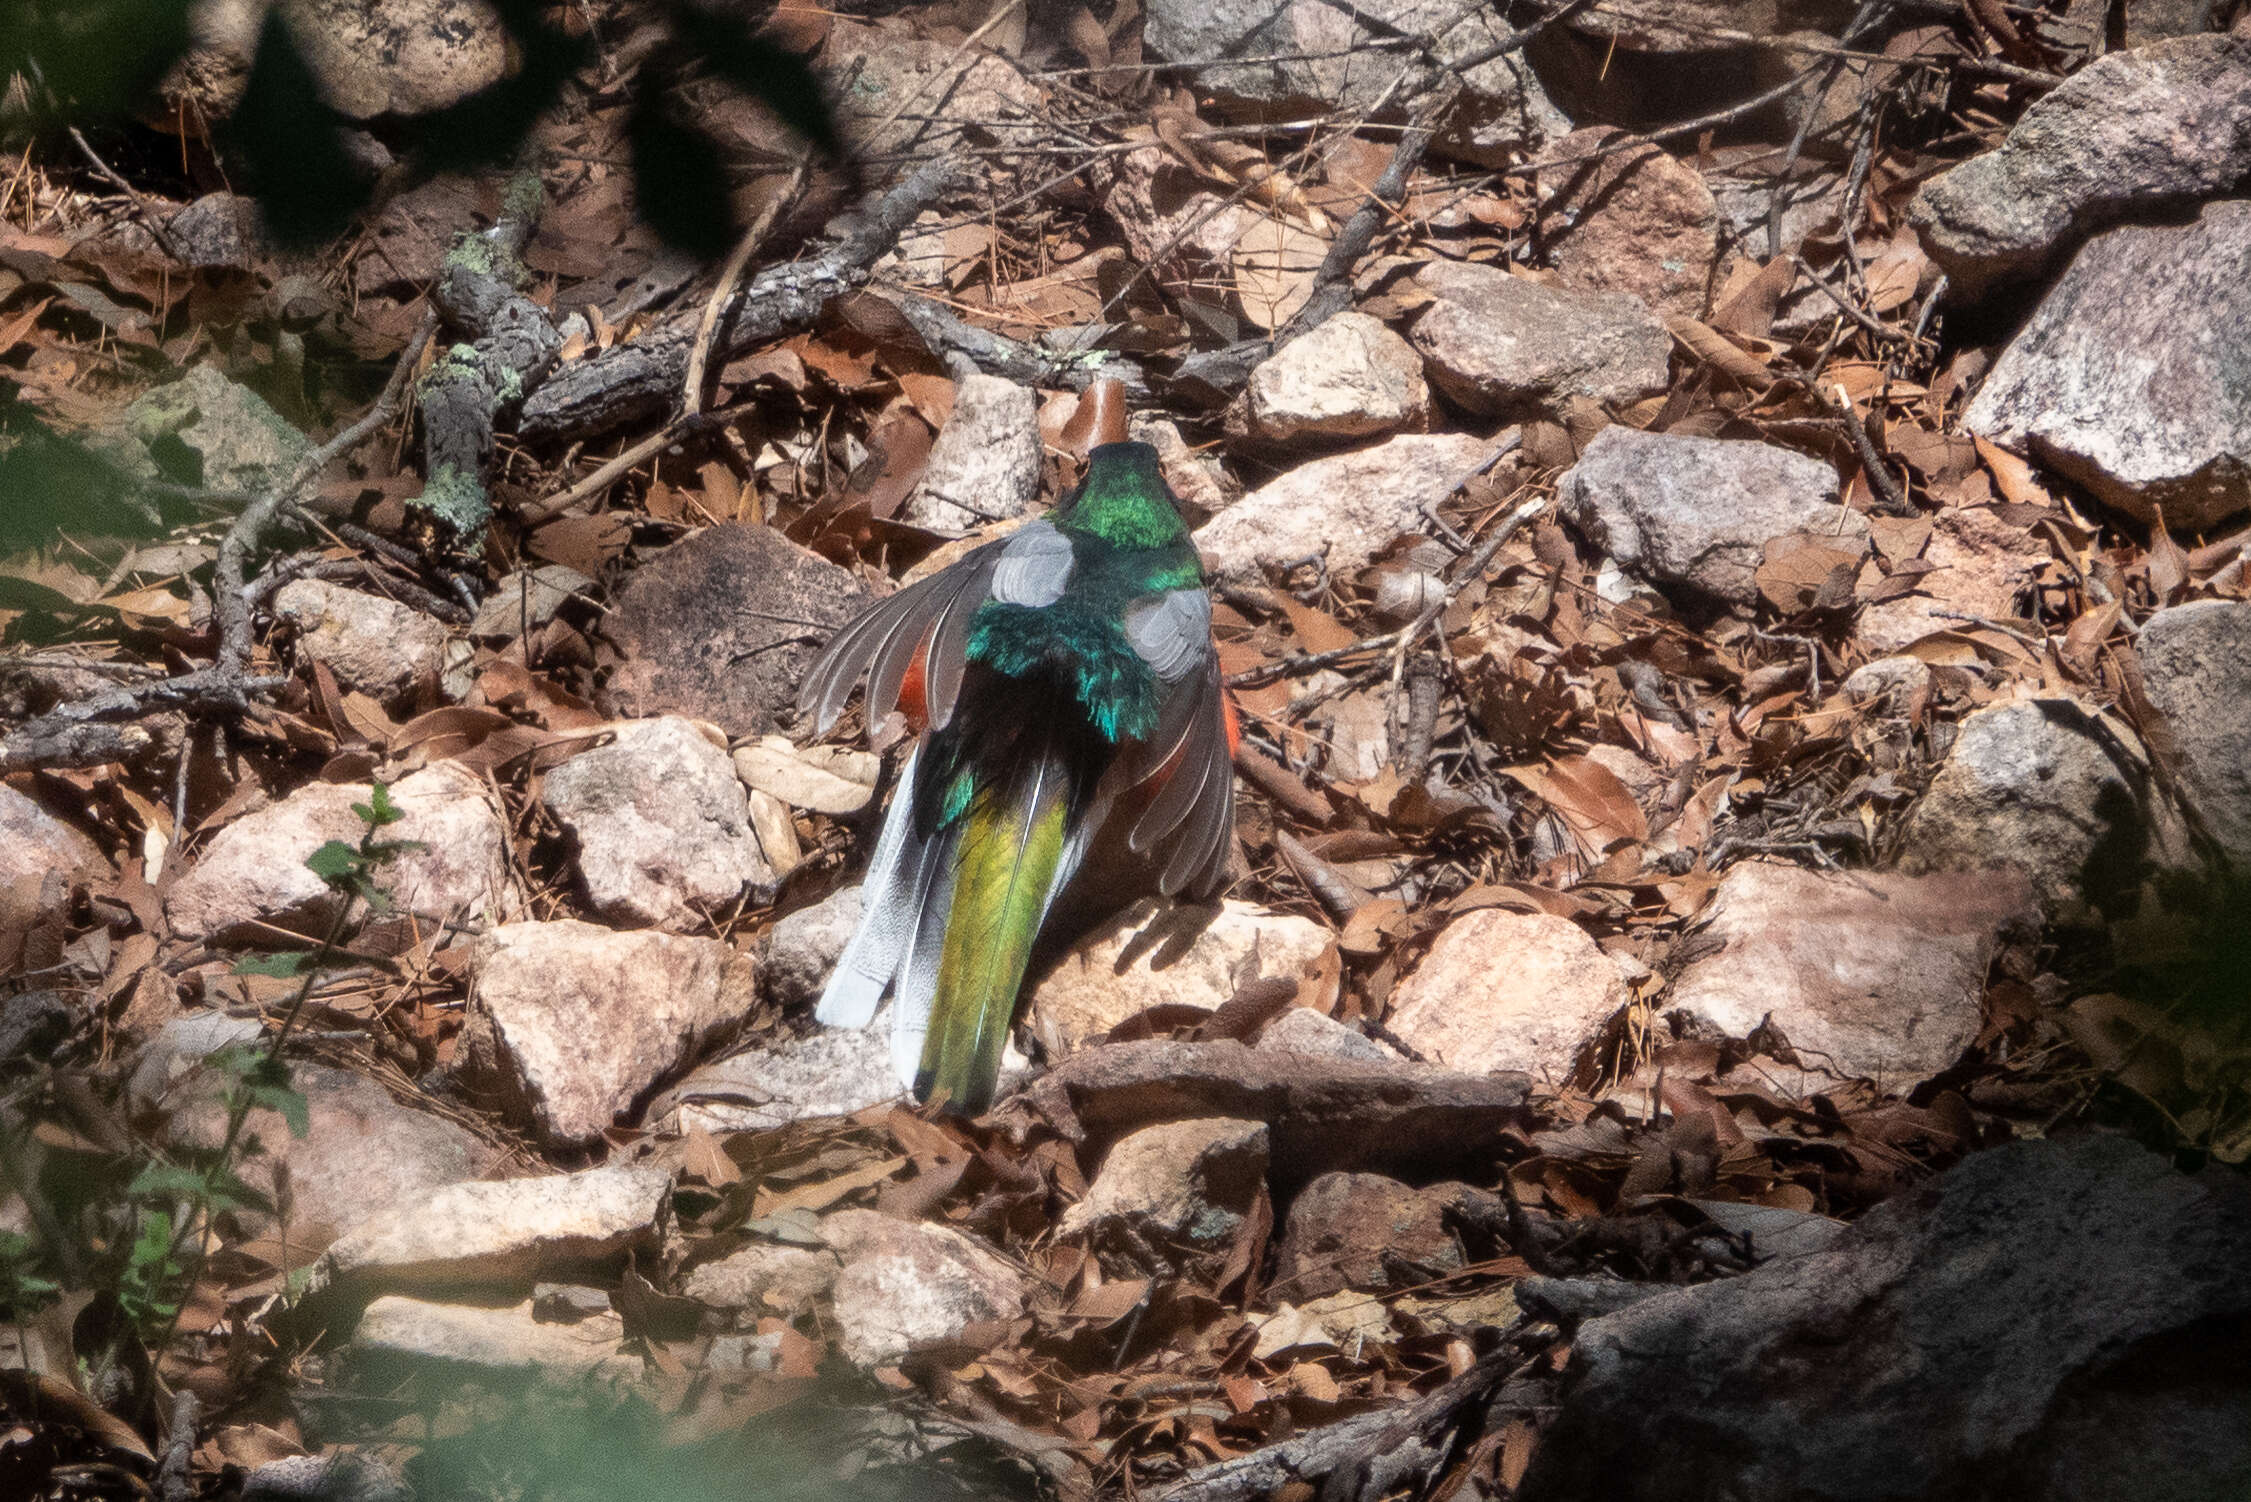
x=888 y=914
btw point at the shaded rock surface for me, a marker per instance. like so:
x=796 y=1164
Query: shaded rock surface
x=380 y=647
x=829 y=1072
x=1364 y=1231
x=2144 y=422
x=1168 y=1193
x=1303 y=1030
x=1868 y=974
x=1638 y=221
x=35 y=848
x=1344 y=507
x=1349 y=376
x=2131 y=135
x=2196 y=667
x=1970 y=1338
x=1501 y=345
x=1698 y=512
x=253 y=871
x=396 y=1331
x=906 y=1284
x=570 y=1023
x=803 y=947
x=764 y=1276
x=985 y=463
x=722 y=625
x=661 y=824
x=1501 y=990
x=207 y=431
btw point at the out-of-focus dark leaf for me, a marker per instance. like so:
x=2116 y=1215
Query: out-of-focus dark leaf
x=50 y=484
x=93 y=59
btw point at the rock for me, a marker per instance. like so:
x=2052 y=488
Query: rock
x=722 y=625
x=1698 y=512
x=1982 y=565
x=205 y=430
x=384 y=649
x=2128 y=377
x=832 y=1072
x=1149 y=955
x=1969 y=1338
x=1869 y=975
x=897 y=93
x=1168 y=1194
x=362 y=1152
x=1346 y=377
x=1327 y=57
x=2133 y=134
x=1500 y=345
x=509 y=1231
x=2042 y=787
x=571 y=1024
x=369 y=59
x=218 y=229
x=341 y=1476
x=252 y=875
x=2149 y=21
x=1690 y=26
x=1502 y=990
x=661 y=824
x=906 y=1285
x=1196 y=479
x=175 y=1049
x=395 y=1332
x=1303 y=1030
x=1898 y=680
x=1640 y=222
x=803 y=947
x=763 y=1276
x=1345 y=507
x=1366 y=1232
x=985 y=464
x=35 y=845
x=2196 y=668
x=825 y=779
x=1170 y=217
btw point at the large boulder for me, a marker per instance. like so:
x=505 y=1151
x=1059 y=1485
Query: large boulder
x=1499 y=345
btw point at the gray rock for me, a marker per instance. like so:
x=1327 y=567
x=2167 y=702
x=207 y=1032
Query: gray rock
x=1508 y=991
x=1197 y=480
x=763 y=1276
x=1698 y=512
x=1326 y=61
x=218 y=229
x=344 y=1476
x=175 y=1049
x=1689 y=26
x=2045 y=788
x=398 y=1334
x=2131 y=135
x=722 y=625
x=985 y=464
x=205 y=430
x=661 y=824
x=1364 y=1231
x=386 y=650
x=2130 y=376
x=1869 y=975
x=1973 y=1338
x=905 y=1285
x=832 y=1072
x=1499 y=345
x=802 y=948
x=252 y=875
x=571 y=1024
x=1167 y=1194
x=1896 y=680
x=1344 y=507
x=1303 y=1030
x=1347 y=377
x=1639 y=221
x=2196 y=667
x=35 y=847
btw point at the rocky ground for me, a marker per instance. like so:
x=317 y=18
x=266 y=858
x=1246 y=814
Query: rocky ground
x=1729 y=527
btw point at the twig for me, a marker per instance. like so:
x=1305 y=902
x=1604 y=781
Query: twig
x=1844 y=304
x=691 y=399
x=174 y=1481
x=532 y=513
x=1880 y=477
x=156 y=227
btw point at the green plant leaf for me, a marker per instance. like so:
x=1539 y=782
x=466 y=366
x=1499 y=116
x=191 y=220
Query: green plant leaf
x=286 y=965
x=335 y=862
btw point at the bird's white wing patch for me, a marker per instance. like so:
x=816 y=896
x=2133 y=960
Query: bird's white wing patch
x=1171 y=631
x=1035 y=566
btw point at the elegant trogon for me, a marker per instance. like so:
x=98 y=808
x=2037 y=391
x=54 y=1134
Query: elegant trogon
x=1069 y=701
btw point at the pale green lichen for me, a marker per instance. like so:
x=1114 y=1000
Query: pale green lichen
x=459 y=363
x=524 y=198
x=457 y=498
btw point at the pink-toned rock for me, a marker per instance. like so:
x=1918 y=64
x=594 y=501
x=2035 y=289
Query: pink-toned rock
x=1867 y=974
x=1170 y=216
x=1640 y=221
x=34 y=846
x=985 y=463
x=906 y=1284
x=252 y=874
x=1347 y=377
x=1344 y=507
x=1502 y=990
x=386 y=650
x=396 y=1331
x=661 y=821
x=1499 y=345
x=1364 y=1231
x=765 y=1276
x=897 y=92
x=1168 y=1193
x=571 y=1024
x=1983 y=567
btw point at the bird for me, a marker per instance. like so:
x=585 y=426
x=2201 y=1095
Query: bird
x=1073 y=720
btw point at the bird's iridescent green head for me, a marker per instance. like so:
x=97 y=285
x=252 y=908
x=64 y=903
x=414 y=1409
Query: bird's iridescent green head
x=1123 y=500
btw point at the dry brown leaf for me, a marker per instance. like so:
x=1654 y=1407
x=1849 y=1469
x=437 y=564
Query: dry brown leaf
x=1273 y=266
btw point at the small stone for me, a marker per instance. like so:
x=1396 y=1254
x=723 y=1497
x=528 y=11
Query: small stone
x=2134 y=134
x=511 y=1230
x=218 y=229
x=175 y=1049
x=1150 y=955
x=763 y=1276
x=384 y=649
x=571 y=1024
x=1638 y=221
x=1343 y=507
x=207 y=431
x=35 y=845
x=2039 y=786
x=1167 y=1194
x=1366 y=1232
x=1897 y=680
x=1869 y=975
x=2196 y=668
x=1196 y=479
x=1303 y=1030
x=906 y=1285
x=341 y=1476
x=2129 y=377
x=832 y=1072
x=1699 y=512
x=1696 y=26
x=398 y=59
x=252 y=875
x=1504 y=346
x=985 y=464
x=395 y=1330
x=1507 y=991
x=1170 y=217
x=1346 y=377
x=661 y=824
x=722 y=626
x=803 y=947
